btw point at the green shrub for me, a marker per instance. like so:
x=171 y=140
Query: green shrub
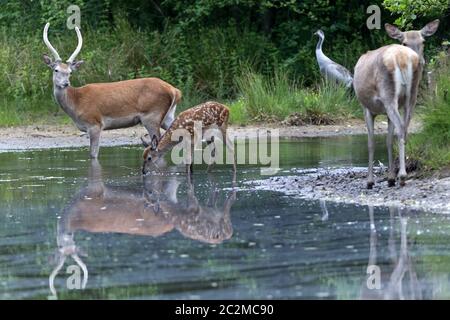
x=432 y=145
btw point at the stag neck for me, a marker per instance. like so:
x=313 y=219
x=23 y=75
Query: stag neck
x=62 y=96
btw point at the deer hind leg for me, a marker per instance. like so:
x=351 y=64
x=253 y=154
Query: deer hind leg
x=189 y=163
x=395 y=117
x=213 y=154
x=152 y=128
x=94 y=137
x=370 y=119
x=410 y=102
x=230 y=147
x=389 y=143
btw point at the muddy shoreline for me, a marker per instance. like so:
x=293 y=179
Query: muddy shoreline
x=345 y=185
x=348 y=185
x=67 y=136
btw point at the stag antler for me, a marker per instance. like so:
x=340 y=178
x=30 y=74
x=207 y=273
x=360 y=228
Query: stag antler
x=49 y=45
x=78 y=49
x=51 y=279
x=53 y=50
x=66 y=247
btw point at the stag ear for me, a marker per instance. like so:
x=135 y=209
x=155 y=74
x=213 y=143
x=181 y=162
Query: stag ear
x=430 y=28
x=394 y=32
x=48 y=61
x=154 y=143
x=76 y=65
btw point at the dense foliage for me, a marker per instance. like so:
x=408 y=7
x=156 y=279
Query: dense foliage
x=207 y=48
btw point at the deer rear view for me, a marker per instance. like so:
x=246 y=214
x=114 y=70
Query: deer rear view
x=386 y=81
x=105 y=106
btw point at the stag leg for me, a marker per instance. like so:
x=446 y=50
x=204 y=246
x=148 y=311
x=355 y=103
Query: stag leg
x=94 y=137
x=389 y=142
x=370 y=119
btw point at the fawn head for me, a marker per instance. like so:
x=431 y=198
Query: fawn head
x=151 y=154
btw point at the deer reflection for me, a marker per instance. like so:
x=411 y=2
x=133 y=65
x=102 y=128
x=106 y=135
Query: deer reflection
x=153 y=210
x=206 y=223
x=392 y=285
x=66 y=248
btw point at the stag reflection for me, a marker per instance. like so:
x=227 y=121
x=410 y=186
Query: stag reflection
x=153 y=210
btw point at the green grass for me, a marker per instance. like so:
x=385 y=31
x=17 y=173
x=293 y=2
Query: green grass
x=432 y=146
x=276 y=97
x=238 y=112
x=40 y=110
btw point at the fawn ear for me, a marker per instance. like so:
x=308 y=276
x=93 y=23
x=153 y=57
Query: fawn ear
x=430 y=28
x=394 y=32
x=154 y=142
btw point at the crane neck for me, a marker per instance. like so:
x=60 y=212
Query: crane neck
x=319 y=44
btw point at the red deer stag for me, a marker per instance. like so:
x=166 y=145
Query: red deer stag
x=105 y=106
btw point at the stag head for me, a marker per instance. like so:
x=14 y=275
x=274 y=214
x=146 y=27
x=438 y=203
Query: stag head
x=62 y=71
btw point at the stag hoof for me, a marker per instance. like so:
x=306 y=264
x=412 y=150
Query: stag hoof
x=391 y=183
x=402 y=182
x=370 y=185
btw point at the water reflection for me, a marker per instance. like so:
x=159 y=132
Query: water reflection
x=324 y=208
x=206 y=223
x=391 y=285
x=278 y=246
x=153 y=210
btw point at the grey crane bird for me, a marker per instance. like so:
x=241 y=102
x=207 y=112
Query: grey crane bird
x=330 y=69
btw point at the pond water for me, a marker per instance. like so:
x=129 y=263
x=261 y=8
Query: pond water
x=67 y=222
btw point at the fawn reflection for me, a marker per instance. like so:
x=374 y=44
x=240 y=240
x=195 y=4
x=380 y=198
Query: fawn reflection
x=153 y=210
x=400 y=282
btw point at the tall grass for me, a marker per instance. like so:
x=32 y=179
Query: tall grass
x=276 y=97
x=431 y=147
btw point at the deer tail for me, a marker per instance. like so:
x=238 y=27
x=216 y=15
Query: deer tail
x=170 y=115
